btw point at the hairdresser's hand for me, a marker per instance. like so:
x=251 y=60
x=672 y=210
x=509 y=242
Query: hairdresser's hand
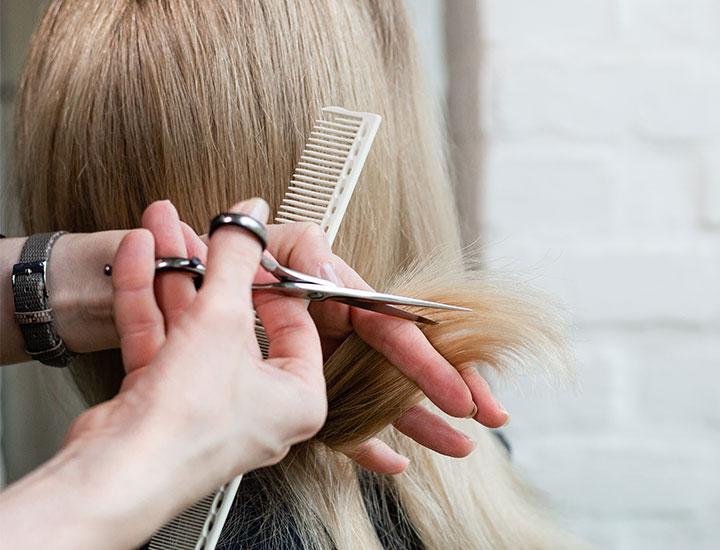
x=305 y=248
x=267 y=405
x=197 y=393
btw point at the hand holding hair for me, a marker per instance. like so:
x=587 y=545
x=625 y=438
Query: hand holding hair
x=461 y=394
x=464 y=394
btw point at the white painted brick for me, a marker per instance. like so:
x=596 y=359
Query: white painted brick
x=625 y=477
x=656 y=194
x=602 y=186
x=598 y=533
x=638 y=533
x=638 y=381
x=675 y=380
x=621 y=283
x=537 y=408
x=669 y=23
x=696 y=533
x=548 y=197
x=550 y=22
x=674 y=102
x=575 y=100
x=710 y=189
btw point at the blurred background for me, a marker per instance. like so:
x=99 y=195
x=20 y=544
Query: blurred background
x=585 y=136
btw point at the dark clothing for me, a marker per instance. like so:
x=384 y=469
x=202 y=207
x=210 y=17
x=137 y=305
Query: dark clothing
x=247 y=527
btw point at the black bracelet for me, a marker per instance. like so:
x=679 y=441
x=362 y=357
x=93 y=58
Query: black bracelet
x=32 y=306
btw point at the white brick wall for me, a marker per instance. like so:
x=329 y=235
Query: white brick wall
x=601 y=184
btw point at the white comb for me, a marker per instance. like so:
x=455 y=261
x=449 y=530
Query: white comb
x=329 y=168
x=319 y=192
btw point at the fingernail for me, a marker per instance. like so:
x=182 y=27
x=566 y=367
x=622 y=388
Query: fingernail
x=327 y=271
x=502 y=410
x=471 y=440
x=473 y=413
x=256 y=208
x=507 y=420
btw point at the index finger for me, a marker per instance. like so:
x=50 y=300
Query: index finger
x=406 y=347
x=306 y=249
x=234 y=255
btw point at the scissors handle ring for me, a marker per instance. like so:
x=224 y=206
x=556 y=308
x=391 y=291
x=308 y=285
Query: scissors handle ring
x=243 y=221
x=189 y=265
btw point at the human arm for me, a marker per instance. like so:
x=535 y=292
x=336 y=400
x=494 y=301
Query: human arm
x=128 y=465
x=81 y=297
x=302 y=247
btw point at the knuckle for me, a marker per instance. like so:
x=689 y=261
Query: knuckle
x=277 y=454
x=311 y=245
x=311 y=230
x=139 y=329
x=314 y=419
x=315 y=232
x=131 y=282
x=230 y=312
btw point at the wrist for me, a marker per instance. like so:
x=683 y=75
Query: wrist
x=77 y=504
x=140 y=462
x=104 y=489
x=79 y=292
x=12 y=344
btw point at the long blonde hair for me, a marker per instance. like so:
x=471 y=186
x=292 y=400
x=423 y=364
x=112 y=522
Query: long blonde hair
x=206 y=103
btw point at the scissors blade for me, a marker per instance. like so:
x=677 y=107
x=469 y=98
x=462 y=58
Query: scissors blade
x=318 y=293
x=387 y=309
x=382 y=298
x=296 y=280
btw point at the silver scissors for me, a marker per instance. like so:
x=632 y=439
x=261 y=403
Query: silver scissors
x=301 y=285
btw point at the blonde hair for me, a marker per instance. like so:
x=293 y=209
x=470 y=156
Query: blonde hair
x=206 y=103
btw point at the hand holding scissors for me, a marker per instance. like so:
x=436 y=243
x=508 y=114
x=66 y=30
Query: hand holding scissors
x=301 y=285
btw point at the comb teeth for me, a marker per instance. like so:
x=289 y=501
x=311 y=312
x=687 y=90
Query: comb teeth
x=262 y=339
x=328 y=170
x=193 y=522
x=198 y=527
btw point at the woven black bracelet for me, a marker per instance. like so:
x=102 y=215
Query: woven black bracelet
x=32 y=305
